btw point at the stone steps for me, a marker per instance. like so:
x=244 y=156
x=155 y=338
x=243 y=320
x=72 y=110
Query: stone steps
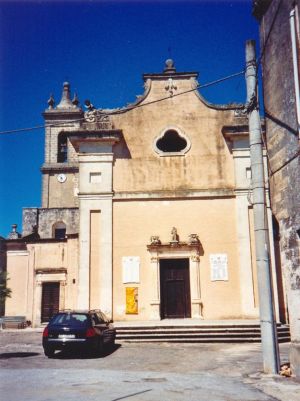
x=197 y=334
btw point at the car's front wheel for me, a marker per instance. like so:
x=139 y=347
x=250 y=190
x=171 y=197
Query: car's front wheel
x=49 y=352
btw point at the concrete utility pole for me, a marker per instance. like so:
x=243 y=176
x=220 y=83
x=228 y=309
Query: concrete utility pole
x=267 y=321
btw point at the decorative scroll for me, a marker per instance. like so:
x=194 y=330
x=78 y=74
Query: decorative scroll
x=193 y=239
x=96 y=116
x=195 y=258
x=131 y=300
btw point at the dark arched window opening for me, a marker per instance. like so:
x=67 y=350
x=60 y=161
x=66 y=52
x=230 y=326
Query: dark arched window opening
x=59 y=230
x=62 y=148
x=171 y=142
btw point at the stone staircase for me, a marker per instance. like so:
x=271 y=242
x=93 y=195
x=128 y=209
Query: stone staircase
x=198 y=333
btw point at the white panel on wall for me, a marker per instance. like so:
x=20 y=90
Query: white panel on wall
x=218 y=267
x=131 y=269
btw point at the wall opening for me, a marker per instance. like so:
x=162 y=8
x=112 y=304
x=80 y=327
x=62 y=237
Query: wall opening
x=62 y=148
x=59 y=230
x=171 y=142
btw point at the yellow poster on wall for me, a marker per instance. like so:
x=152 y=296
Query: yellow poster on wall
x=131 y=300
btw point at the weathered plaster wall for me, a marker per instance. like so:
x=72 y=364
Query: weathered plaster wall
x=208 y=164
x=212 y=219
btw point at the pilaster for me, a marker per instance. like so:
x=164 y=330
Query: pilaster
x=95 y=214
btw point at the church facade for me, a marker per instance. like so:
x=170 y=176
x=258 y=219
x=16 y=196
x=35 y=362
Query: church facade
x=146 y=211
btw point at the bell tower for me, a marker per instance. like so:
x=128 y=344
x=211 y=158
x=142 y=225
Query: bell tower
x=60 y=168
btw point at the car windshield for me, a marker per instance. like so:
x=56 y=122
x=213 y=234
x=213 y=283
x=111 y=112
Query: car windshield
x=73 y=319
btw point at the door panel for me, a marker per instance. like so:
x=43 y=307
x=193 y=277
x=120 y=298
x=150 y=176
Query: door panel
x=175 y=288
x=50 y=301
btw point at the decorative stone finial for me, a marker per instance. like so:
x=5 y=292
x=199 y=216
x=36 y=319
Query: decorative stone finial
x=154 y=240
x=193 y=239
x=14 y=234
x=170 y=66
x=51 y=102
x=75 y=100
x=65 y=102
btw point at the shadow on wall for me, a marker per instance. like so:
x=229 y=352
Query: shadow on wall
x=121 y=150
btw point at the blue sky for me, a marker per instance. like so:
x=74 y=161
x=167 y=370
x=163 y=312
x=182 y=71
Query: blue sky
x=102 y=48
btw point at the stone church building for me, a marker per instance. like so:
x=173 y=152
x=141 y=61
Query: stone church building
x=146 y=211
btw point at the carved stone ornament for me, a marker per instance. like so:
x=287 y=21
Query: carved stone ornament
x=96 y=116
x=154 y=259
x=171 y=87
x=154 y=240
x=175 y=236
x=193 y=239
x=240 y=112
x=195 y=258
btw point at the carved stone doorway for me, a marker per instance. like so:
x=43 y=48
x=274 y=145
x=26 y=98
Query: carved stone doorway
x=175 y=288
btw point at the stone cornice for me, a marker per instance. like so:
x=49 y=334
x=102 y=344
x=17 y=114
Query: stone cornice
x=179 y=245
x=164 y=76
x=180 y=194
x=63 y=114
x=77 y=137
x=52 y=270
x=58 y=167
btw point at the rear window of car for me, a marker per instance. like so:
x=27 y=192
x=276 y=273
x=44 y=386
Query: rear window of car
x=73 y=319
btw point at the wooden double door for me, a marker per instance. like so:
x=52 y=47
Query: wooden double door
x=175 y=295
x=50 y=300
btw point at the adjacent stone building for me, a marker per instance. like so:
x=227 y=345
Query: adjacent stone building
x=146 y=211
x=279 y=23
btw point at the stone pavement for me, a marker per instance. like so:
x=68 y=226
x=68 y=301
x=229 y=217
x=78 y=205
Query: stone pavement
x=140 y=372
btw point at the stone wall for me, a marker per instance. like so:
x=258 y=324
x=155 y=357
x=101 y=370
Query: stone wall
x=46 y=218
x=283 y=145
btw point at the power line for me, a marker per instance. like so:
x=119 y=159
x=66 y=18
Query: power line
x=126 y=109
x=176 y=94
x=12 y=131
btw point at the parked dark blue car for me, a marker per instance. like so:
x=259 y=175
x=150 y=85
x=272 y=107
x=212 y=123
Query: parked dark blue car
x=78 y=330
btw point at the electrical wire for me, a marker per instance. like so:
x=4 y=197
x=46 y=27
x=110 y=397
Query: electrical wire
x=13 y=131
x=126 y=109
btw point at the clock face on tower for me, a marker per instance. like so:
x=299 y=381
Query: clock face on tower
x=61 y=177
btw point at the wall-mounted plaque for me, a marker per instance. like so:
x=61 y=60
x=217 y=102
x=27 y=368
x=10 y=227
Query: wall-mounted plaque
x=131 y=269
x=218 y=267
